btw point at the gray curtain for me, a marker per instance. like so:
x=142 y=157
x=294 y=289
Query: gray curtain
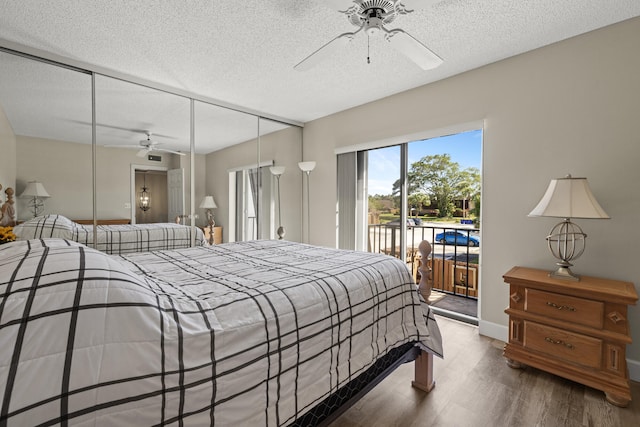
x=346 y=201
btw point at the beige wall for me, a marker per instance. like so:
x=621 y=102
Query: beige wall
x=217 y=165
x=285 y=149
x=113 y=178
x=571 y=107
x=7 y=156
x=200 y=179
x=64 y=168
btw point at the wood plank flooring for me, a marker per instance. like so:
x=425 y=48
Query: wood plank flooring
x=475 y=387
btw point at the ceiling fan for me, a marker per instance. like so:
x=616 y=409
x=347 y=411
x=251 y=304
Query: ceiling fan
x=371 y=16
x=148 y=145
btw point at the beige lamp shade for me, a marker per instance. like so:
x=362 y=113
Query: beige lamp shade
x=208 y=203
x=569 y=198
x=35 y=189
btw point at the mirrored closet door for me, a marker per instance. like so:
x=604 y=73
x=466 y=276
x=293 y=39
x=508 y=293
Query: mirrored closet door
x=143 y=162
x=159 y=156
x=226 y=156
x=45 y=140
x=280 y=207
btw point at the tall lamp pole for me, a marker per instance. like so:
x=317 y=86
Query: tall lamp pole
x=307 y=167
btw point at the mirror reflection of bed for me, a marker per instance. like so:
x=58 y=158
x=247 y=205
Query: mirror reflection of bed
x=55 y=146
x=112 y=236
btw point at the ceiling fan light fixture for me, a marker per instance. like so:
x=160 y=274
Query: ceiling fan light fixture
x=373 y=26
x=371 y=16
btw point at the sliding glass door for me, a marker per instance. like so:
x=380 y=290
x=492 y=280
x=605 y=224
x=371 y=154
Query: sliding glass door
x=426 y=189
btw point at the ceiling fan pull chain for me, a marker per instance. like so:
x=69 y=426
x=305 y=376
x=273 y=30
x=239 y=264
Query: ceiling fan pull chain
x=368 y=57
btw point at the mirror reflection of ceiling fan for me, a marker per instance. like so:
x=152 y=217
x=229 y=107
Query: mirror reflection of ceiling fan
x=147 y=146
x=371 y=16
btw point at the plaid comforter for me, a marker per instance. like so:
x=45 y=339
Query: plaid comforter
x=112 y=239
x=239 y=334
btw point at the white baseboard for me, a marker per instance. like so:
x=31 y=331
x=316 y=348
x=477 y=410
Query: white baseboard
x=493 y=330
x=634 y=369
x=500 y=332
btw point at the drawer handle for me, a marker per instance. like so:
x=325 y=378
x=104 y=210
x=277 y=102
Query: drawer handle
x=561 y=307
x=564 y=343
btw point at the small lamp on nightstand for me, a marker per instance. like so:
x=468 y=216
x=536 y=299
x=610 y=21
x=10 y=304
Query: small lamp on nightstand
x=568 y=198
x=209 y=204
x=36 y=193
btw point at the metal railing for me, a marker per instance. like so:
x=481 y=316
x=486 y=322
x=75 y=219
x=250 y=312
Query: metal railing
x=455 y=268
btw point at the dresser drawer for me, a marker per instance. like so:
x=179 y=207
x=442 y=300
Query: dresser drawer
x=564 y=345
x=563 y=307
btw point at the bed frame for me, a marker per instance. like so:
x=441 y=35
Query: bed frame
x=423 y=376
x=338 y=402
x=102 y=221
x=325 y=413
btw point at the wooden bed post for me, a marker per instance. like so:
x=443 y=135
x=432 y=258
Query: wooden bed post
x=424 y=287
x=423 y=376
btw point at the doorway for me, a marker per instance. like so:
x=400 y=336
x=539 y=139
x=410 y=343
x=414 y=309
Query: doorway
x=429 y=189
x=165 y=192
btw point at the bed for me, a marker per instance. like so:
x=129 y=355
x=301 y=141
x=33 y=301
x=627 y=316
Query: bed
x=264 y=333
x=112 y=238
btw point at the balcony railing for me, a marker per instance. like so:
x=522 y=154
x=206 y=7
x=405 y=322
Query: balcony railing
x=455 y=268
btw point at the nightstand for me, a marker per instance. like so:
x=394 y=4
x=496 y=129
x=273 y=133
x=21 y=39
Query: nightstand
x=576 y=330
x=217 y=234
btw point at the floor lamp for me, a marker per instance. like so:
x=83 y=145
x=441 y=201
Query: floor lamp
x=277 y=171
x=307 y=167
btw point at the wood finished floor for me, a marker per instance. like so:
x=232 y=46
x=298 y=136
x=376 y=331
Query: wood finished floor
x=475 y=387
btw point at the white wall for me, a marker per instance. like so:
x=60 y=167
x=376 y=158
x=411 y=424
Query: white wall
x=572 y=107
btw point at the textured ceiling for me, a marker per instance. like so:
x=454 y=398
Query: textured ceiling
x=243 y=52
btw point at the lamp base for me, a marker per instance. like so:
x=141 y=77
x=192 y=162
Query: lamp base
x=36 y=205
x=566 y=242
x=564 y=273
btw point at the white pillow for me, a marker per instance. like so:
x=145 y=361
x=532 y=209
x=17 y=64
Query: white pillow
x=46 y=226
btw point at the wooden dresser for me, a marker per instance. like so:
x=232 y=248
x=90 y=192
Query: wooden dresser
x=577 y=330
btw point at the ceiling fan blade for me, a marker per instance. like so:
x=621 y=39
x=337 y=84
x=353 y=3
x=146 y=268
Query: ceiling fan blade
x=121 y=146
x=324 y=52
x=413 y=49
x=169 y=151
x=418 y=4
x=126 y=129
x=142 y=153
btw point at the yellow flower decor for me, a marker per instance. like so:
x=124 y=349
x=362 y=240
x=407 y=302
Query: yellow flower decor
x=6 y=235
